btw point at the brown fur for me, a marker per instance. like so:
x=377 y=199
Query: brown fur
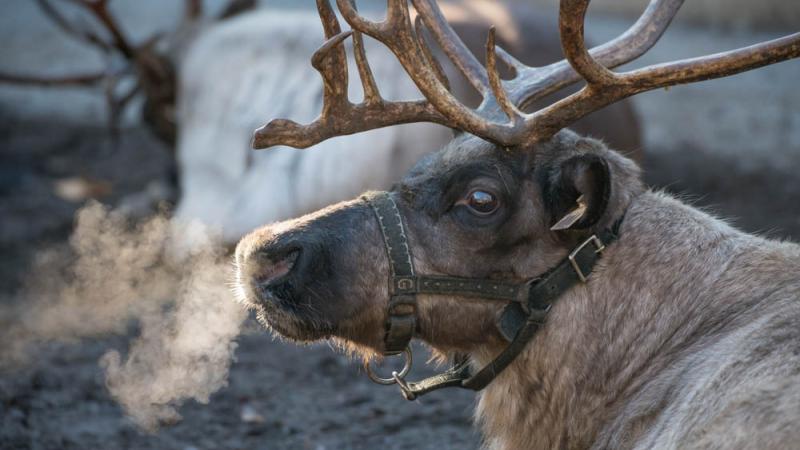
x=685 y=336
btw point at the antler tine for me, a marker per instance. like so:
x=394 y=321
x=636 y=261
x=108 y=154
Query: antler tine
x=717 y=65
x=452 y=45
x=514 y=114
x=99 y=9
x=330 y=60
x=60 y=21
x=372 y=94
x=605 y=87
x=89 y=79
x=334 y=76
x=419 y=28
x=330 y=24
x=640 y=37
x=571 y=19
x=236 y=7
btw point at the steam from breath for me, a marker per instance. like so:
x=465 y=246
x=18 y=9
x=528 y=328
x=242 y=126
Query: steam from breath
x=117 y=273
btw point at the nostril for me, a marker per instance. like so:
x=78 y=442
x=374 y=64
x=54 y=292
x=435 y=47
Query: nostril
x=273 y=267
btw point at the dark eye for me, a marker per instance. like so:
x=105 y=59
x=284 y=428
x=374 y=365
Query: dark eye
x=482 y=203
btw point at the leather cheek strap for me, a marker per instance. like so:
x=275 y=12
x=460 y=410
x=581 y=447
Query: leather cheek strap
x=401 y=321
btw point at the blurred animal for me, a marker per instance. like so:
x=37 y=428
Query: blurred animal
x=589 y=311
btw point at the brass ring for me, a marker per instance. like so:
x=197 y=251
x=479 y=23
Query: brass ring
x=388 y=381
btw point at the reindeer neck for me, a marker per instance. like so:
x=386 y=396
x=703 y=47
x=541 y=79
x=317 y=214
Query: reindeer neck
x=604 y=340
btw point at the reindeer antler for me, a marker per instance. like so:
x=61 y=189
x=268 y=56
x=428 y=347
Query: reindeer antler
x=139 y=59
x=98 y=9
x=499 y=118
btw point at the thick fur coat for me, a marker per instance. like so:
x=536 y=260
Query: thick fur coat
x=686 y=334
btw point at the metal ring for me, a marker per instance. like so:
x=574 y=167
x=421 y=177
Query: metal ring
x=402 y=374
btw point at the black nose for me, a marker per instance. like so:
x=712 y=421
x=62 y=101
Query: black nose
x=273 y=265
x=281 y=271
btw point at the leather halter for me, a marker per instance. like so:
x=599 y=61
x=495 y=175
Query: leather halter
x=529 y=302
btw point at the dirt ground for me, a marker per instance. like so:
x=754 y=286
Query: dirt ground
x=731 y=145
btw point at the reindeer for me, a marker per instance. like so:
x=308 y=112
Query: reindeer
x=587 y=310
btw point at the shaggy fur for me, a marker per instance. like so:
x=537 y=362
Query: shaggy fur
x=685 y=336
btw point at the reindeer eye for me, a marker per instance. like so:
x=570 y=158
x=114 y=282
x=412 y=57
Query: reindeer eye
x=482 y=203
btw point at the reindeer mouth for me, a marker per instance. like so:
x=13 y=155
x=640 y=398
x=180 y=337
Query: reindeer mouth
x=279 y=299
x=281 y=311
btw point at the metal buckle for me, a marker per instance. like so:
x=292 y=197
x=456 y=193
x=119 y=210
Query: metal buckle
x=396 y=377
x=404 y=285
x=599 y=247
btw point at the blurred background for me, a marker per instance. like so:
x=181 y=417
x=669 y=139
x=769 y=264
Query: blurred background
x=148 y=108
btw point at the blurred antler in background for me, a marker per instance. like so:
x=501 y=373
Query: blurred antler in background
x=147 y=67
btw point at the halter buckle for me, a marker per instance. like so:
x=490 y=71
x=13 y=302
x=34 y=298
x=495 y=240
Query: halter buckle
x=405 y=285
x=599 y=247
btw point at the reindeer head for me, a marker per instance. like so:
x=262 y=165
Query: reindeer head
x=471 y=210
x=504 y=204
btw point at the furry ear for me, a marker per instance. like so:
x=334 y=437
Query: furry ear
x=579 y=192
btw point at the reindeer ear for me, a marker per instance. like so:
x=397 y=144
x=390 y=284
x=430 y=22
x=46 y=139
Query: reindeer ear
x=579 y=192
